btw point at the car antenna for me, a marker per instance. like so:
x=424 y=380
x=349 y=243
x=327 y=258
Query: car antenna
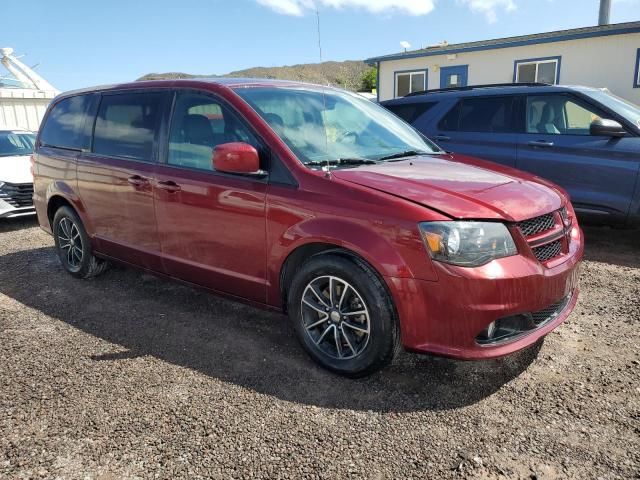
x=326 y=169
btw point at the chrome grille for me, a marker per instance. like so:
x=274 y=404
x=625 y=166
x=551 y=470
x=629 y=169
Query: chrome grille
x=17 y=194
x=543 y=316
x=548 y=251
x=537 y=225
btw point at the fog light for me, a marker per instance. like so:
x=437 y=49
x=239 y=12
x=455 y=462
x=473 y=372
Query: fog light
x=491 y=329
x=505 y=328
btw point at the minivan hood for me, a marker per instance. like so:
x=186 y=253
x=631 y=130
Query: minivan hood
x=16 y=169
x=459 y=186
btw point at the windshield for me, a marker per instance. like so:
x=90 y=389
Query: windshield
x=628 y=110
x=16 y=143
x=338 y=127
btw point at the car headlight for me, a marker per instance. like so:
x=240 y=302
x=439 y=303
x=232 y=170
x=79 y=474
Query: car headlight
x=467 y=244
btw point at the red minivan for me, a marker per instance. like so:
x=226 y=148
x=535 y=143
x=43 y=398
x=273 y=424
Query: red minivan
x=311 y=201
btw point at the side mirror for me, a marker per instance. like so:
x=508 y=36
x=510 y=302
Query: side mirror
x=237 y=157
x=603 y=127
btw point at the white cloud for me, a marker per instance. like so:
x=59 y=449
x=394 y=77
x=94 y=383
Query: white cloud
x=490 y=7
x=300 y=7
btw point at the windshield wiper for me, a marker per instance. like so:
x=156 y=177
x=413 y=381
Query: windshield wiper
x=407 y=153
x=341 y=161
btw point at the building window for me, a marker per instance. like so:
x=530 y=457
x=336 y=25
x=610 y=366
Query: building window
x=409 y=82
x=636 y=80
x=537 y=70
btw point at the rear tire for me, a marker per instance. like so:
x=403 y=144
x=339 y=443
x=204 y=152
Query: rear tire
x=73 y=245
x=343 y=315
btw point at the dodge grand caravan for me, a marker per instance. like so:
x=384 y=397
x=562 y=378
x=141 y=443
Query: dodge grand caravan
x=311 y=201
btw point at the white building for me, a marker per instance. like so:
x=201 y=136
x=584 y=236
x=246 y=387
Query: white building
x=601 y=56
x=24 y=95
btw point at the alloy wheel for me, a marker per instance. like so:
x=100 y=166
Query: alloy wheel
x=335 y=317
x=70 y=242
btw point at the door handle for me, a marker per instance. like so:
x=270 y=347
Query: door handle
x=137 y=180
x=170 y=186
x=540 y=143
x=441 y=138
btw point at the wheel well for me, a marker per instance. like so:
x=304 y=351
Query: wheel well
x=300 y=255
x=54 y=204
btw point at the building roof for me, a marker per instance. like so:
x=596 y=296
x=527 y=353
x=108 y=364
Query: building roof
x=548 y=37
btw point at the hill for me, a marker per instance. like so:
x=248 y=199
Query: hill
x=346 y=74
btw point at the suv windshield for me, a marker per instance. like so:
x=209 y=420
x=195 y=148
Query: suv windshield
x=622 y=107
x=334 y=126
x=16 y=143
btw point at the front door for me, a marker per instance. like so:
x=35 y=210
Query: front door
x=211 y=224
x=598 y=172
x=115 y=179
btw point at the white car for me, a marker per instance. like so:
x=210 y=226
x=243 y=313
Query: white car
x=16 y=180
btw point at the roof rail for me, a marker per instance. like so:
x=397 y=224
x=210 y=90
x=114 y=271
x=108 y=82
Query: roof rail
x=473 y=87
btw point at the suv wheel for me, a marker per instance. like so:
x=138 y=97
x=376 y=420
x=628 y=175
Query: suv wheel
x=73 y=245
x=343 y=315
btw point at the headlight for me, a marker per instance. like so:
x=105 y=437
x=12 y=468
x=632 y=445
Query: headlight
x=467 y=244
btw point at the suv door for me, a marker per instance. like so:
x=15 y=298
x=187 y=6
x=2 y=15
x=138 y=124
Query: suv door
x=483 y=126
x=211 y=224
x=115 y=177
x=598 y=172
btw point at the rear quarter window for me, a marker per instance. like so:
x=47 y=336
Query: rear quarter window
x=64 y=127
x=410 y=112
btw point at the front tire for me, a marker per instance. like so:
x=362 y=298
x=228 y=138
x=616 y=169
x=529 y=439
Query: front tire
x=73 y=245
x=343 y=315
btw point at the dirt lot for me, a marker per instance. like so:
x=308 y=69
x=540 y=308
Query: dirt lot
x=129 y=376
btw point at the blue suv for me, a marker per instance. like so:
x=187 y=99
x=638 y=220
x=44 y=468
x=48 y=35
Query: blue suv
x=584 y=139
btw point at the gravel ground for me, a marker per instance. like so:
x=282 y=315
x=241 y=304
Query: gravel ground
x=129 y=376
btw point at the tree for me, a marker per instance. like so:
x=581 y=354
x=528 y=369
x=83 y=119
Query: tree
x=369 y=79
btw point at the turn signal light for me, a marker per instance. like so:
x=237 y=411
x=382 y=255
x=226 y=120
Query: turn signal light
x=434 y=241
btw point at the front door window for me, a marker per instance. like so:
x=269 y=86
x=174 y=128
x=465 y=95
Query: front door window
x=559 y=115
x=200 y=123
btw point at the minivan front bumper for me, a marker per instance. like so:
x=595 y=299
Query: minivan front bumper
x=449 y=316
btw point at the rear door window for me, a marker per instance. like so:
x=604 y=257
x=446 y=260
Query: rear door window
x=127 y=125
x=410 y=112
x=65 y=124
x=481 y=114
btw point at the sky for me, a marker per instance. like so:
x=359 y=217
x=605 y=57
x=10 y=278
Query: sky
x=79 y=43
